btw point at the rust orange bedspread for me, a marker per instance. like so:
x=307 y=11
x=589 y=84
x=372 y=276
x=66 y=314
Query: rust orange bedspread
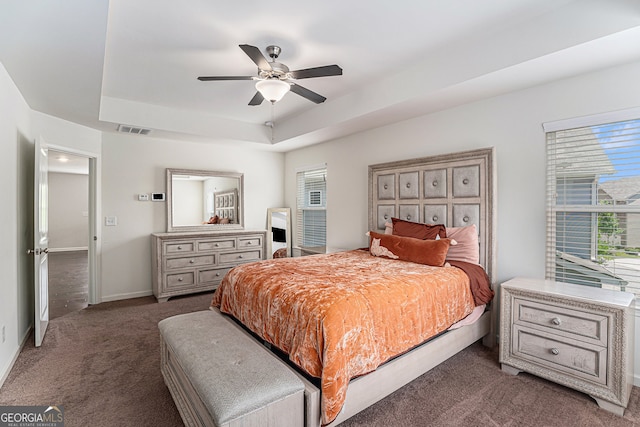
x=342 y=315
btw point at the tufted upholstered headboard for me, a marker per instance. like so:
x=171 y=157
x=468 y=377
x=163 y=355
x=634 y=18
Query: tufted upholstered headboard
x=456 y=189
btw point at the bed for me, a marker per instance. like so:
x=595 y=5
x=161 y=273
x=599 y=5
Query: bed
x=357 y=325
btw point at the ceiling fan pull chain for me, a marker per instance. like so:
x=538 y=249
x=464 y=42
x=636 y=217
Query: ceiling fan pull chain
x=273 y=106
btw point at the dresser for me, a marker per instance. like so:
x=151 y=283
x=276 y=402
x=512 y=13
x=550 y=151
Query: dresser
x=184 y=263
x=579 y=336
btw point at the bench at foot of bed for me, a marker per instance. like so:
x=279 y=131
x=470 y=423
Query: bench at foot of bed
x=218 y=376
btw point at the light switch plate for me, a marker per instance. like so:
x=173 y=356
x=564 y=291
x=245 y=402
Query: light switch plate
x=111 y=221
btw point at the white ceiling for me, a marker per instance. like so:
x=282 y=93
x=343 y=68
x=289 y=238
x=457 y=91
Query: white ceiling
x=101 y=63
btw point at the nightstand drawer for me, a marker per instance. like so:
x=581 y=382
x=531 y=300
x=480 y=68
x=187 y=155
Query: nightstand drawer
x=576 y=358
x=574 y=323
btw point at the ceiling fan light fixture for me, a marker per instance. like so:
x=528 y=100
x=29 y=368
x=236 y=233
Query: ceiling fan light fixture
x=272 y=89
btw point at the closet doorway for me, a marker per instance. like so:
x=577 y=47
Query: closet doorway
x=69 y=229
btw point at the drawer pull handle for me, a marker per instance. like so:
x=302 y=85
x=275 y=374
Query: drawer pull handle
x=248 y=243
x=217 y=245
x=240 y=256
x=180 y=279
x=179 y=247
x=555 y=351
x=217 y=274
x=191 y=261
x=555 y=321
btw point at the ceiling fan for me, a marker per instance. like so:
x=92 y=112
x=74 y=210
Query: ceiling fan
x=274 y=79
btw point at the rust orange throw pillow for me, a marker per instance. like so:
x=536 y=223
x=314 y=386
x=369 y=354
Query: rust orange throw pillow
x=418 y=230
x=429 y=252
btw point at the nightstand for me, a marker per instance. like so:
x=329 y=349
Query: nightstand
x=577 y=336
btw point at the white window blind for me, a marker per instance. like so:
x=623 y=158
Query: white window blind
x=593 y=206
x=311 y=208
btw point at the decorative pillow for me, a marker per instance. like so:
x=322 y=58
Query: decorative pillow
x=429 y=252
x=418 y=231
x=388 y=228
x=468 y=247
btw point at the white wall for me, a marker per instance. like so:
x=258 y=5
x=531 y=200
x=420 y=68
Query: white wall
x=16 y=158
x=136 y=164
x=512 y=123
x=188 y=202
x=68 y=210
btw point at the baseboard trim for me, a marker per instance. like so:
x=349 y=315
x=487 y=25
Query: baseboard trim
x=82 y=248
x=7 y=371
x=128 y=295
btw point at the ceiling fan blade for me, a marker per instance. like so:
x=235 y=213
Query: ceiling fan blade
x=306 y=93
x=257 y=99
x=327 y=70
x=256 y=56
x=213 y=78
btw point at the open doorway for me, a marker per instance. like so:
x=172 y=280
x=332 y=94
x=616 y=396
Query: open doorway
x=69 y=229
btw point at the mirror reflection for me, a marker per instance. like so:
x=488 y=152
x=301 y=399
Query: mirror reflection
x=203 y=200
x=278 y=232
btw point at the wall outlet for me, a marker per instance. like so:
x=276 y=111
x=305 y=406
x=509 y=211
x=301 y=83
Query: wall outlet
x=143 y=197
x=111 y=221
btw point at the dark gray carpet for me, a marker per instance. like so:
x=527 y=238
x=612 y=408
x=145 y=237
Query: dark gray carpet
x=102 y=364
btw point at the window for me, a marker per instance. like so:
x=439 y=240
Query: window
x=593 y=205
x=311 y=207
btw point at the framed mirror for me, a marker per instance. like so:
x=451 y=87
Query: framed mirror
x=278 y=233
x=199 y=200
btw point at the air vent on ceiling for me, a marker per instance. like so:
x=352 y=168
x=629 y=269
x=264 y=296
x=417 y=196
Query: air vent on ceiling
x=133 y=129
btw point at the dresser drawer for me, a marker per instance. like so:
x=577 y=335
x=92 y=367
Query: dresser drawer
x=179 y=280
x=215 y=245
x=178 y=247
x=250 y=242
x=576 y=358
x=212 y=276
x=240 y=257
x=577 y=324
x=192 y=261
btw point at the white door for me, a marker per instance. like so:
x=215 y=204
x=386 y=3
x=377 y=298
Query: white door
x=40 y=250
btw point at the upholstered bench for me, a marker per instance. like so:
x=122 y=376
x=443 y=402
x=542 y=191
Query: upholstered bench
x=219 y=376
